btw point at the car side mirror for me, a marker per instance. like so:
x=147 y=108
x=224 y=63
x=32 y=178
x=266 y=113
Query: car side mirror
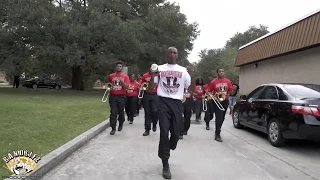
x=243 y=97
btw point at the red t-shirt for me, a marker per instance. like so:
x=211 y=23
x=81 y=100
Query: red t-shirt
x=199 y=91
x=146 y=78
x=117 y=89
x=219 y=85
x=133 y=89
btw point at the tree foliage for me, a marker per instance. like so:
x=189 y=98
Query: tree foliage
x=81 y=40
x=225 y=57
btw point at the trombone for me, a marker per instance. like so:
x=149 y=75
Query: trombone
x=205 y=99
x=144 y=86
x=105 y=97
x=217 y=98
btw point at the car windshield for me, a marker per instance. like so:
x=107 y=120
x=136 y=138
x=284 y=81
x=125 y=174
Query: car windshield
x=299 y=91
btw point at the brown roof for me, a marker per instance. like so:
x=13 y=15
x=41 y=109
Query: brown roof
x=303 y=33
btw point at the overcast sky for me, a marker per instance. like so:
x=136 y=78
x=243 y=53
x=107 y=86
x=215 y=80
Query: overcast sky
x=220 y=20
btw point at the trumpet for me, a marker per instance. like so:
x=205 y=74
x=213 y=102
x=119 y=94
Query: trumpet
x=105 y=97
x=205 y=98
x=217 y=98
x=144 y=86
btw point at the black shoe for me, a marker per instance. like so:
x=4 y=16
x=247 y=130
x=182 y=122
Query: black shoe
x=146 y=133
x=166 y=173
x=185 y=133
x=130 y=122
x=120 y=127
x=113 y=131
x=208 y=127
x=154 y=128
x=181 y=137
x=218 y=138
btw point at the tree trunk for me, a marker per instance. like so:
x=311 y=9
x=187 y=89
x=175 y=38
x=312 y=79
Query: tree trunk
x=77 y=78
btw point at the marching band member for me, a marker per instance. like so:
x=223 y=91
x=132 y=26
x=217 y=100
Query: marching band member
x=223 y=86
x=172 y=81
x=208 y=115
x=150 y=105
x=117 y=99
x=198 y=93
x=187 y=112
x=139 y=103
x=132 y=96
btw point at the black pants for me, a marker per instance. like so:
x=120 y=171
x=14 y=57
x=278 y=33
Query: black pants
x=198 y=108
x=187 y=113
x=16 y=82
x=220 y=115
x=117 y=104
x=150 y=106
x=208 y=115
x=130 y=107
x=170 y=120
x=139 y=105
x=194 y=107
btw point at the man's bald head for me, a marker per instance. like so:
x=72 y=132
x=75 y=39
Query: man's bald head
x=172 y=54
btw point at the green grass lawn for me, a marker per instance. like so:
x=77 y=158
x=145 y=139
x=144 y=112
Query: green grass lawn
x=42 y=120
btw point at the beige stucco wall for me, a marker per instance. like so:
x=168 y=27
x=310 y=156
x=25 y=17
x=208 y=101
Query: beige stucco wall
x=301 y=67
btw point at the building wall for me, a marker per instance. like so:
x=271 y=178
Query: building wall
x=301 y=67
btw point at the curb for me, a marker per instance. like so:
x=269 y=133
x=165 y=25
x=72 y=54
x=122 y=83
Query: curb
x=55 y=157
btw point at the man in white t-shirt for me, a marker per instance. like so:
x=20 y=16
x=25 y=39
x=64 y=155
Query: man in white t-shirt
x=172 y=80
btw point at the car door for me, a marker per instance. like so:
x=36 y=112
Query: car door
x=246 y=110
x=265 y=106
x=41 y=82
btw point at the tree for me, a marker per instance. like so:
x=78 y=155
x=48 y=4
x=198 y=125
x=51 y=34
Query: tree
x=81 y=40
x=225 y=57
x=240 y=39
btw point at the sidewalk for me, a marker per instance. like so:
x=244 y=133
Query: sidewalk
x=129 y=155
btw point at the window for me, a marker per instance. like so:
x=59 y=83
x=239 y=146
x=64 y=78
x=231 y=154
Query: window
x=270 y=92
x=299 y=91
x=282 y=95
x=256 y=93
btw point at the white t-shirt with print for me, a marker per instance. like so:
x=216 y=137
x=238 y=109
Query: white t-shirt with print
x=173 y=80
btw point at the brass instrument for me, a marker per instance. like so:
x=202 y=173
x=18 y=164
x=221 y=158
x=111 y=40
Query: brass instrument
x=144 y=86
x=217 y=98
x=221 y=96
x=154 y=68
x=185 y=96
x=205 y=98
x=105 y=97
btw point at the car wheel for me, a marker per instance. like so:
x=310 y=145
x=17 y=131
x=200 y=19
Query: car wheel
x=34 y=86
x=275 y=134
x=56 y=87
x=236 y=119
